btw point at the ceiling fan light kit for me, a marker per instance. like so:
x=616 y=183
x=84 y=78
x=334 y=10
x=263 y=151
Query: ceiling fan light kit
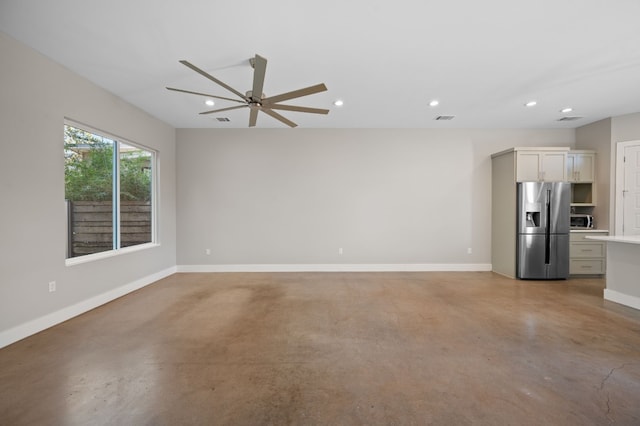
x=255 y=99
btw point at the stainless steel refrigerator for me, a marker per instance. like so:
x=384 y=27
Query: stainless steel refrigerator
x=543 y=230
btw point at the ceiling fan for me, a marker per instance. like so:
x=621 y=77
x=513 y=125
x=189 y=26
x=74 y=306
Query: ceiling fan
x=254 y=99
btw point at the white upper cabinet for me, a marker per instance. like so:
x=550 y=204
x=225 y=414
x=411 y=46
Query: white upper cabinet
x=581 y=166
x=541 y=166
x=554 y=166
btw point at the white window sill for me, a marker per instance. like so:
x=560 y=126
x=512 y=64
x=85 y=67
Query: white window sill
x=106 y=254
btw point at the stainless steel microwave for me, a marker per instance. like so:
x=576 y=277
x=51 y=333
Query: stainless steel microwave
x=582 y=221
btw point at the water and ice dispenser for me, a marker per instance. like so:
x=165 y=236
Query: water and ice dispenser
x=532 y=219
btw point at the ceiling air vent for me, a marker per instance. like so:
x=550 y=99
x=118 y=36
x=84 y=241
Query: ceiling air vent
x=445 y=117
x=222 y=119
x=569 y=118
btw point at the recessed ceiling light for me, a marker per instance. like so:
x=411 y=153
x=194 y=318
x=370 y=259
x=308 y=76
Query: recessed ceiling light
x=434 y=102
x=209 y=102
x=339 y=102
x=565 y=110
x=531 y=103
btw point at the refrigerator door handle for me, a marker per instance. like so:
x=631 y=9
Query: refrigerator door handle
x=547 y=231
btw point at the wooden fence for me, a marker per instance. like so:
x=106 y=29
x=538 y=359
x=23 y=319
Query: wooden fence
x=91 y=225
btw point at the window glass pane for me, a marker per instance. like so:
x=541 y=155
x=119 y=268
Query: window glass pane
x=109 y=192
x=89 y=183
x=135 y=195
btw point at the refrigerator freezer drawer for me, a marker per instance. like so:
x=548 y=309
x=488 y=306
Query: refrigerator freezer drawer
x=532 y=262
x=531 y=256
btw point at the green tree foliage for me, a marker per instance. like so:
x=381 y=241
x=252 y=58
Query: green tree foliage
x=89 y=168
x=135 y=176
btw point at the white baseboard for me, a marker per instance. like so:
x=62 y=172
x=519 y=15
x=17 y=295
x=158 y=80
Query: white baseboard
x=621 y=298
x=37 y=325
x=335 y=267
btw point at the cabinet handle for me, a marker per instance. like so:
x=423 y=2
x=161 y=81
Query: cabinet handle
x=586 y=266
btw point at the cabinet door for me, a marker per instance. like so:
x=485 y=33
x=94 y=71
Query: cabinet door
x=584 y=167
x=581 y=167
x=554 y=166
x=528 y=167
x=572 y=167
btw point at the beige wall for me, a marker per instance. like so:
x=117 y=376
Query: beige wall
x=625 y=128
x=597 y=136
x=386 y=196
x=37 y=95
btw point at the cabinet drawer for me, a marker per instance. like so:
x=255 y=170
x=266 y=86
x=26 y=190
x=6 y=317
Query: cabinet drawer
x=581 y=236
x=586 y=266
x=592 y=249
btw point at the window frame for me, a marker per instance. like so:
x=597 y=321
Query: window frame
x=155 y=165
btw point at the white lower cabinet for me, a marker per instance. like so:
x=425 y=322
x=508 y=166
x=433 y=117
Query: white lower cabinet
x=587 y=257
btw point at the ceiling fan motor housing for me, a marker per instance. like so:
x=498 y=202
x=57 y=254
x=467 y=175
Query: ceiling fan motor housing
x=256 y=100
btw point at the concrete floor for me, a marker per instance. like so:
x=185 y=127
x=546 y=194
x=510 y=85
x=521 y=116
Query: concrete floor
x=334 y=349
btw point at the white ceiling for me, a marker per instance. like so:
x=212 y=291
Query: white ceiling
x=386 y=59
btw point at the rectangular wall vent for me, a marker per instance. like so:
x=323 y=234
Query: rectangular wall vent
x=445 y=117
x=569 y=118
x=222 y=119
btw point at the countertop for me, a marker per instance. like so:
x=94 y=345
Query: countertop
x=628 y=239
x=588 y=230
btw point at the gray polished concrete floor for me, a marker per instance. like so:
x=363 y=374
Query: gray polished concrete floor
x=334 y=349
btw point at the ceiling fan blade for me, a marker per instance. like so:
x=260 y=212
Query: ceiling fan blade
x=278 y=117
x=204 y=94
x=212 y=78
x=295 y=94
x=224 y=109
x=259 y=70
x=299 y=108
x=253 y=117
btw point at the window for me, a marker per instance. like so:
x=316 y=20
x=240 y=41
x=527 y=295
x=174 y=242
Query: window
x=109 y=192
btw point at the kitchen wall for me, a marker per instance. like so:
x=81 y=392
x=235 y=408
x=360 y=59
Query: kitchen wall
x=295 y=196
x=37 y=95
x=625 y=128
x=597 y=136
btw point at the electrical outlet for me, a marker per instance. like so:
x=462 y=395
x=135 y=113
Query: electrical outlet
x=52 y=286
x=340 y=251
x=469 y=251
x=207 y=251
